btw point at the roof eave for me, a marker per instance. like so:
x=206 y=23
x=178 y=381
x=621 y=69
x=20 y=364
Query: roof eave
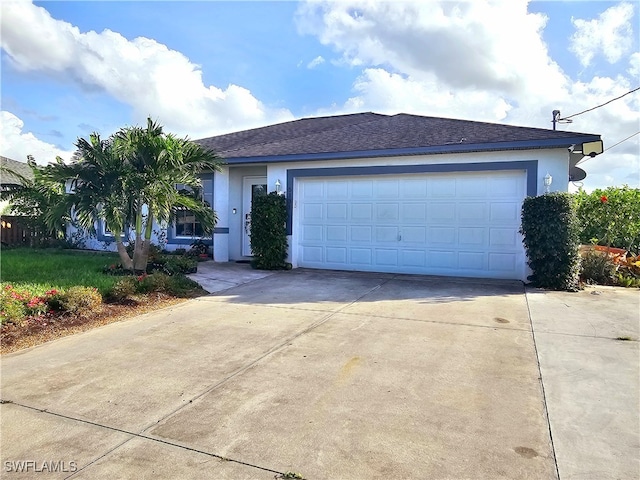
x=434 y=150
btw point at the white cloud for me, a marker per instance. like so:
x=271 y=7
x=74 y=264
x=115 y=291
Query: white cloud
x=17 y=144
x=634 y=65
x=467 y=45
x=141 y=72
x=319 y=60
x=483 y=61
x=610 y=34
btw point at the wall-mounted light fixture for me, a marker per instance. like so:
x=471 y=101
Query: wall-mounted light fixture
x=548 y=179
x=278 y=186
x=234 y=210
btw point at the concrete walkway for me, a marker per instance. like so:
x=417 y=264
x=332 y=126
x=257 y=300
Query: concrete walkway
x=329 y=374
x=587 y=345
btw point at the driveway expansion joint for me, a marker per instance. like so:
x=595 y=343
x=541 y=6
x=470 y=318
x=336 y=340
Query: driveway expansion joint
x=133 y=436
x=544 y=395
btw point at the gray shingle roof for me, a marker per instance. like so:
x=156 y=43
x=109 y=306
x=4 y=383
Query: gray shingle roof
x=21 y=168
x=370 y=132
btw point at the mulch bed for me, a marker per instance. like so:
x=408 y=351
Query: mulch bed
x=37 y=330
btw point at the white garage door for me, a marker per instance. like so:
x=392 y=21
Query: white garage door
x=461 y=224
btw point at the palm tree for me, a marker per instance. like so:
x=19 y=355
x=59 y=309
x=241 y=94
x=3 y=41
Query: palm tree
x=129 y=181
x=99 y=189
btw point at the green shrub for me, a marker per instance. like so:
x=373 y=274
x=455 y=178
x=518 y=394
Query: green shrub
x=550 y=230
x=122 y=289
x=17 y=303
x=611 y=216
x=268 y=231
x=177 y=285
x=80 y=299
x=173 y=264
x=597 y=268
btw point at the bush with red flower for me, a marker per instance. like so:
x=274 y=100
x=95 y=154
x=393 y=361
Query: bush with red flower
x=610 y=217
x=18 y=303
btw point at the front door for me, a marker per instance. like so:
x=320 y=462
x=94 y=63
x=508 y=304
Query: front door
x=251 y=187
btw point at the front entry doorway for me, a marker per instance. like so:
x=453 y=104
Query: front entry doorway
x=251 y=187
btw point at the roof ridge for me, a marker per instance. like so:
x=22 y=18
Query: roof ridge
x=381 y=116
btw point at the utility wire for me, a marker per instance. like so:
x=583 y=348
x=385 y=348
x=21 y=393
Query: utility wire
x=616 y=144
x=609 y=148
x=605 y=103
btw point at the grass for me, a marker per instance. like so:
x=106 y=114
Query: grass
x=40 y=270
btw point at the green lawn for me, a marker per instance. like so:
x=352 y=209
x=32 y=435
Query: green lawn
x=46 y=269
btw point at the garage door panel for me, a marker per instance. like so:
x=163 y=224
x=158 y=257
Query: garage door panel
x=439 y=187
x=337 y=211
x=414 y=235
x=475 y=236
x=387 y=234
x=361 y=211
x=504 y=212
x=414 y=212
x=361 y=234
x=312 y=211
x=336 y=255
x=443 y=259
x=387 y=211
x=414 y=188
x=472 y=260
x=387 y=189
x=442 y=236
x=311 y=191
x=442 y=224
x=439 y=211
x=502 y=237
x=386 y=257
x=413 y=258
x=362 y=256
x=312 y=233
x=312 y=254
x=503 y=186
x=473 y=212
x=362 y=189
x=502 y=261
x=336 y=233
x=338 y=189
x=475 y=187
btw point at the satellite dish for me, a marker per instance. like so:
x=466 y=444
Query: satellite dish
x=576 y=174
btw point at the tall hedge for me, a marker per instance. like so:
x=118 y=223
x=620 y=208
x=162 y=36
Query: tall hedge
x=610 y=217
x=551 y=239
x=268 y=232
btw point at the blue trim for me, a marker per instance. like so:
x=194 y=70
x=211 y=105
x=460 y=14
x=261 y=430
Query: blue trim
x=100 y=235
x=438 y=149
x=189 y=240
x=529 y=166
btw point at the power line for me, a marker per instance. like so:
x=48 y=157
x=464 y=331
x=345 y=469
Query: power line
x=605 y=103
x=616 y=144
x=609 y=148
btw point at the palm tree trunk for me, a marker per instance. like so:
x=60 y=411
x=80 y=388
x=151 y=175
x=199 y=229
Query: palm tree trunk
x=126 y=261
x=148 y=230
x=139 y=262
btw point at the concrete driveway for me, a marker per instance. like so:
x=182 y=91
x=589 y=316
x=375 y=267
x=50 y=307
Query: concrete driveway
x=327 y=374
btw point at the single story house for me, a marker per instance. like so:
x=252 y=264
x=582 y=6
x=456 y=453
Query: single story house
x=388 y=193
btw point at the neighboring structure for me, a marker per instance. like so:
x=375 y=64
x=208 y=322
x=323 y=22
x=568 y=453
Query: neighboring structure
x=400 y=193
x=7 y=180
x=12 y=228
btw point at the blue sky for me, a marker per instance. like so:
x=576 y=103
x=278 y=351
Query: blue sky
x=204 y=68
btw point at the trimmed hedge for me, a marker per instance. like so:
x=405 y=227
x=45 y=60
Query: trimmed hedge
x=551 y=239
x=268 y=232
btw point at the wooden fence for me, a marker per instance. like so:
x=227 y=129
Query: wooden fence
x=15 y=231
